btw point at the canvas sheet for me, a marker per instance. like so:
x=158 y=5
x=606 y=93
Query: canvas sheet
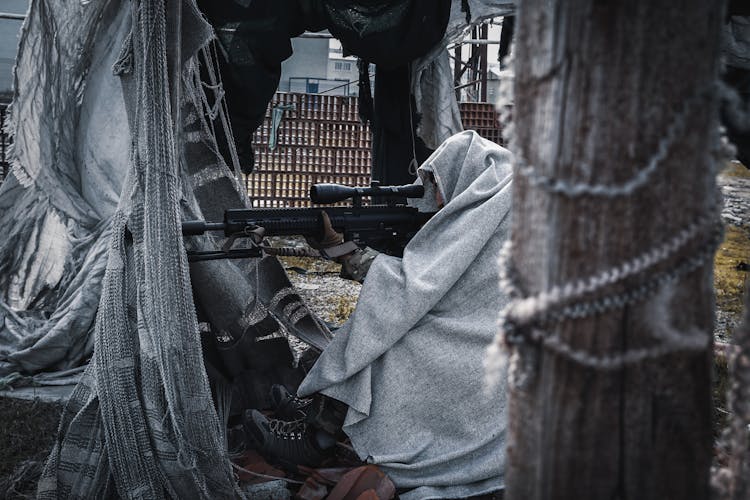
x=408 y=363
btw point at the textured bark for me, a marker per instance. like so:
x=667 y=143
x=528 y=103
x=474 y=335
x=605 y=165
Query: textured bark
x=597 y=85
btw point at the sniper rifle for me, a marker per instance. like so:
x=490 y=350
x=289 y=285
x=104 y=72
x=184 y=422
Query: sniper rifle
x=385 y=227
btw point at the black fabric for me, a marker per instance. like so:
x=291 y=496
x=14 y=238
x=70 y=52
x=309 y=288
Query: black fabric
x=250 y=368
x=327 y=414
x=506 y=38
x=254 y=38
x=738 y=8
x=466 y=10
x=393 y=130
x=252 y=42
x=389 y=33
x=366 y=106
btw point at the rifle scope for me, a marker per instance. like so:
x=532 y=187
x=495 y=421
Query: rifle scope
x=331 y=193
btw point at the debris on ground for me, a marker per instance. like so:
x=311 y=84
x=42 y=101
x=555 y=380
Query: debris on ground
x=29 y=429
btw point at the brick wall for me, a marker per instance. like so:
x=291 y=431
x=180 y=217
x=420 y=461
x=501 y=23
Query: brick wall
x=322 y=140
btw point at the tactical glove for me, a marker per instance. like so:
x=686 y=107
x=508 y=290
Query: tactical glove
x=330 y=243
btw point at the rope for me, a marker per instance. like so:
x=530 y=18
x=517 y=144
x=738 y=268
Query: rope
x=674 y=131
x=525 y=323
x=525 y=318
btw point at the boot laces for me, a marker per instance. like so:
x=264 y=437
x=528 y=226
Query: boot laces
x=287 y=430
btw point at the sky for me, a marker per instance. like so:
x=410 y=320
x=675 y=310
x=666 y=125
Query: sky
x=9 y=30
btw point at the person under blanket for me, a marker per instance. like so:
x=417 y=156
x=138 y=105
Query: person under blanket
x=403 y=377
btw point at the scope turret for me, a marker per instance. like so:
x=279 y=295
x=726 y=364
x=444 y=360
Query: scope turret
x=331 y=193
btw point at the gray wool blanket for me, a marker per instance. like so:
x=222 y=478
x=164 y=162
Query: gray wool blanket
x=409 y=362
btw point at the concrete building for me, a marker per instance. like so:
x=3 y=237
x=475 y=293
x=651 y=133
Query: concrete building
x=318 y=65
x=9 y=31
x=310 y=70
x=342 y=68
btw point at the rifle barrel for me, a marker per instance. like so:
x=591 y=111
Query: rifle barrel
x=192 y=227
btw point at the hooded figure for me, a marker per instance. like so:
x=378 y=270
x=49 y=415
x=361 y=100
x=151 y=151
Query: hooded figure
x=408 y=363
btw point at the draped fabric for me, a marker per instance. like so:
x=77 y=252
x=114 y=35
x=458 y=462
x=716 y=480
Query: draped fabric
x=432 y=77
x=72 y=152
x=63 y=187
x=115 y=144
x=408 y=363
x=141 y=423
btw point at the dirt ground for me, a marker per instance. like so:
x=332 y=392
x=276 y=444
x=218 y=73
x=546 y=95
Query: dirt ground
x=28 y=431
x=29 y=427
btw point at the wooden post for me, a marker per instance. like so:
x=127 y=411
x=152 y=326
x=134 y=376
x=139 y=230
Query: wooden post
x=457 y=63
x=598 y=85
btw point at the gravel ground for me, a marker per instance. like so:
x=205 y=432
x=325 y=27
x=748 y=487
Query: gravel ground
x=332 y=298
x=736 y=191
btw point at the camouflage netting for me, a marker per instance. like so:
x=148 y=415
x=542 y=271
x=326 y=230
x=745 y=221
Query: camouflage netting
x=141 y=421
x=94 y=265
x=72 y=153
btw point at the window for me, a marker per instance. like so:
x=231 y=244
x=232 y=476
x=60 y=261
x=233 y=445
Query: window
x=342 y=66
x=10 y=27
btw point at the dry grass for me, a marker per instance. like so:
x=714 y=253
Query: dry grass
x=730 y=270
x=736 y=169
x=730 y=275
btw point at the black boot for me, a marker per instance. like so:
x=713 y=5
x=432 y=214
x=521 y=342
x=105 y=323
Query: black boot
x=320 y=412
x=287 y=406
x=288 y=443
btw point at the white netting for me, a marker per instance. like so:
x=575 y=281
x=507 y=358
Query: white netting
x=142 y=422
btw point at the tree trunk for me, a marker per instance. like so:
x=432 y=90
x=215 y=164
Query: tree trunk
x=614 y=403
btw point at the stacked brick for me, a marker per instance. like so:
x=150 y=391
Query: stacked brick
x=483 y=118
x=320 y=139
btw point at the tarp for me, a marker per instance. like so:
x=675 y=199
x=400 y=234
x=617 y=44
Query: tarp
x=71 y=154
x=411 y=355
x=432 y=77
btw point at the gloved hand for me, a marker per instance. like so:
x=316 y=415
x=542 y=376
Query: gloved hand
x=328 y=237
x=330 y=243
